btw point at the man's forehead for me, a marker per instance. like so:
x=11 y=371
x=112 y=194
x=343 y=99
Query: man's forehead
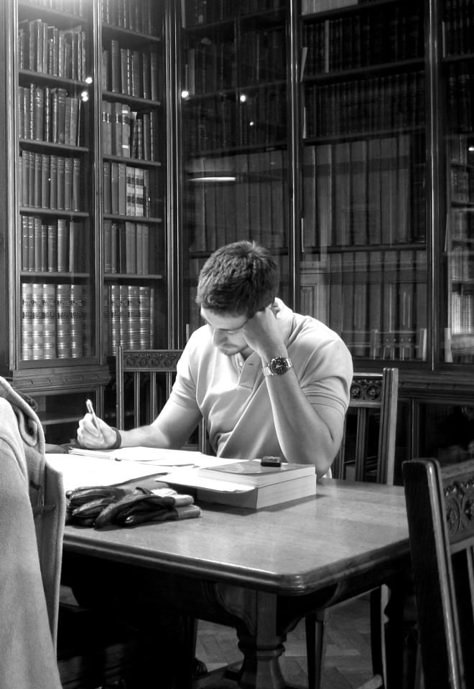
x=227 y=321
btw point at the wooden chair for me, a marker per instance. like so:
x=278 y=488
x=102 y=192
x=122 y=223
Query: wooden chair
x=368 y=445
x=367 y=453
x=142 y=369
x=440 y=509
x=149 y=373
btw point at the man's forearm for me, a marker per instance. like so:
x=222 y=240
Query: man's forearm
x=304 y=435
x=146 y=436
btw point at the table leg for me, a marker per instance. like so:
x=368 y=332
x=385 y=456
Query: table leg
x=262 y=648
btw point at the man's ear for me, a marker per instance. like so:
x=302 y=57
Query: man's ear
x=274 y=307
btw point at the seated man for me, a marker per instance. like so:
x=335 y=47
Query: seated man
x=266 y=380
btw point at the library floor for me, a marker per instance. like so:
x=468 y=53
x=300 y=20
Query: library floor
x=347 y=661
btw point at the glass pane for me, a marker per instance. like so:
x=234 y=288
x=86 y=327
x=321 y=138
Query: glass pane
x=364 y=259
x=54 y=126
x=234 y=110
x=133 y=160
x=458 y=84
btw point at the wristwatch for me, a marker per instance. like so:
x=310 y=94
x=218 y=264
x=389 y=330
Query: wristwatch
x=277 y=366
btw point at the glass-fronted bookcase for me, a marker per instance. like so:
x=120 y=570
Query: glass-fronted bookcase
x=236 y=133
x=85 y=236
x=337 y=132
x=373 y=213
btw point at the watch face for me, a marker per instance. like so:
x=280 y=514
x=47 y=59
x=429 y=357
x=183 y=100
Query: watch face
x=278 y=365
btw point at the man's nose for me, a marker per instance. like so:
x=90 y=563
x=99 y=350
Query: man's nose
x=218 y=337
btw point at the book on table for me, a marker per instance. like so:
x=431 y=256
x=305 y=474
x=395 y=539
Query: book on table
x=248 y=484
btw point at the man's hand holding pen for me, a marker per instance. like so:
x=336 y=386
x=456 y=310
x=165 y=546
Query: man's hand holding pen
x=94 y=433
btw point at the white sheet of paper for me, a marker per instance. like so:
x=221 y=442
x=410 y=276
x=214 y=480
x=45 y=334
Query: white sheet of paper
x=104 y=468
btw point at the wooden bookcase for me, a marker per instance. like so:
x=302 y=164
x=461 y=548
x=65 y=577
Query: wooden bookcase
x=85 y=250
x=337 y=132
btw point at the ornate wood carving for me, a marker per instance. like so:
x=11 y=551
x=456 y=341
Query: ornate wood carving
x=459 y=496
x=367 y=388
x=151 y=359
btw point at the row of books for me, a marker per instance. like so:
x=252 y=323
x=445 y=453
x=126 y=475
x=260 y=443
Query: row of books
x=258 y=118
x=50 y=50
x=461 y=264
x=128 y=133
x=462 y=310
x=211 y=65
x=386 y=34
x=50 y=181
x=461 y=183
x=209 y=11
x=130 y=72
x=460 y=225
x=126 y=190
x=137 y=16
x=458 y=27
x=362 y=192
x=457 y=149
x=238 y=196
x=315 y=6
x=384 y=102
x=127 y=248
x=55 y=246
x=70 y=6
x=55 y=321
x=460 y=98
x=373 y=295
x=129 y=316
x=49 y=115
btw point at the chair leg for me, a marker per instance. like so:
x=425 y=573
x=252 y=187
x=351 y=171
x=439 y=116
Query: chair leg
x=377 y=634
x=315 y=625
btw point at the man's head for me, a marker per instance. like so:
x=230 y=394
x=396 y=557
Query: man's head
x=236 y=281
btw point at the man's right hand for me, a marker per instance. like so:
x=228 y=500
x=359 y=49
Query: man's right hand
x=89 y=436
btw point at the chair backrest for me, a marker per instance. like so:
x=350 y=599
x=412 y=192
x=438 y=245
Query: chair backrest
x=141 y=368
x=440 y=508
x=368 y=446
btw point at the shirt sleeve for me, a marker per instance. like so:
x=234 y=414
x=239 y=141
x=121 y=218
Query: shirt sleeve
x=183 y=391
x=327 y=376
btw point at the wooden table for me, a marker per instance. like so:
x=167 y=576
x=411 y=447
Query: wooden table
x=262 y=571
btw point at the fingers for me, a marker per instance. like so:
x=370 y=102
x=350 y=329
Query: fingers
x=93 y=437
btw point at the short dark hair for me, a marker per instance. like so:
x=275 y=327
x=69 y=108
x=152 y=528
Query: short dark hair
x=238 y=278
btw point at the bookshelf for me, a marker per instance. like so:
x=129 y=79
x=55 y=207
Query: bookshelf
x=236 y=138
x=363 y=129
x=86 y=154
x=133 y=155
x=456 y=70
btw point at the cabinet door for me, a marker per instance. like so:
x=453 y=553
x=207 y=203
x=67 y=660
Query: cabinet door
x=363 y=267
x=53 y=242
x=234 y=111
x=457 y=89
x=133 y=179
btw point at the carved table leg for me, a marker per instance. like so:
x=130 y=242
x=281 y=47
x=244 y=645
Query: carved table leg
x=262 y=649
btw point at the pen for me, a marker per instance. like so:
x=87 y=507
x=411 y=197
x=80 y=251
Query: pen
x=91 y=411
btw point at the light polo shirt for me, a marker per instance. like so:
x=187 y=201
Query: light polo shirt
x=231 y=393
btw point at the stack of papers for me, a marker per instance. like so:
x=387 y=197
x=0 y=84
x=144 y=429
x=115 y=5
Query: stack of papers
x=241 y=483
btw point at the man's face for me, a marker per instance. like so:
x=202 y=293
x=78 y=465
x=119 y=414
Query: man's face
x=227 y=333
